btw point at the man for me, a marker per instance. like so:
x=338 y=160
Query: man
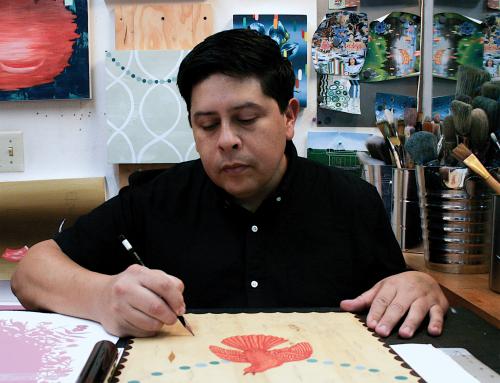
x=250 y=224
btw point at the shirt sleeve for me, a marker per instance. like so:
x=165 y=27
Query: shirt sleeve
x=93 y=242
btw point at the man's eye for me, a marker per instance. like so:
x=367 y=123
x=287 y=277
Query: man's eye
x=208 y=127
x=247 y=121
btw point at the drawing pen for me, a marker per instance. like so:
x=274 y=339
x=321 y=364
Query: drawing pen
x=126 y=244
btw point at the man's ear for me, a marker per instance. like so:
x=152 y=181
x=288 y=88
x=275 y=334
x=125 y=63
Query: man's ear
x=290 y=116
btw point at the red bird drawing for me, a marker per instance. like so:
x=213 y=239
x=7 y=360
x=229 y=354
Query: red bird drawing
x=255 y=349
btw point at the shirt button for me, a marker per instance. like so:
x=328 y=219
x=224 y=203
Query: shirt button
x=255 y=228
x=278 y=199
x=254 y=284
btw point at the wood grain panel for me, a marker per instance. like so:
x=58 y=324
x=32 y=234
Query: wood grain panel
x=153 y=26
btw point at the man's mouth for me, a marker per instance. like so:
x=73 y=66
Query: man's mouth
x=234 y=168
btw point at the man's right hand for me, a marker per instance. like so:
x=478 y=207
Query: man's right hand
x=138 y=301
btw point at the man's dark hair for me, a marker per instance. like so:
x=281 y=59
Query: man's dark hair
x=239 y=53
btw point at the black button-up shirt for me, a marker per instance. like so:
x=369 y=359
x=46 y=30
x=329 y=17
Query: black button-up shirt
x=320 y=237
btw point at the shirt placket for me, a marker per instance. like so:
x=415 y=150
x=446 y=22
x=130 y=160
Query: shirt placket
x=255 y=276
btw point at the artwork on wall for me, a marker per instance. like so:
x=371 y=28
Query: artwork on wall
x=290 y=33
x=491 y=59
x=340 y=4
x=393 y=102
x=264 y=347
x=457 y=40
x=394 y=48
x=146 y=116
x=339 y=94
x=44 y=51
x=339 y=44
x=441 y=106
x=494 y=4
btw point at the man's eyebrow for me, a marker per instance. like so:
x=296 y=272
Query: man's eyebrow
x=246 y=105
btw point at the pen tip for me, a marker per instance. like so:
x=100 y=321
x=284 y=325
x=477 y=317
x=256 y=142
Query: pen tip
x=185 y=324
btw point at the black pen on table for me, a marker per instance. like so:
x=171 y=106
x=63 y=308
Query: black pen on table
x=126 y=244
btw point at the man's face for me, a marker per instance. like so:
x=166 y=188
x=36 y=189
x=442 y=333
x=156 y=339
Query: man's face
x=240 y=135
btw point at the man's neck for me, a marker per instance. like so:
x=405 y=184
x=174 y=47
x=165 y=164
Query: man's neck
x=253 y=203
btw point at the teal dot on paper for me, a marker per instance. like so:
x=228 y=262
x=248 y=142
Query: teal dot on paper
x=328 y=362
x=345 y=364
x=157 y=373
x=214 y=362
x=373 y=370
x=401 y=377
x=134 y=381
x=184 y=368
x=359 y=367
x=201 y=365
x=312 y=360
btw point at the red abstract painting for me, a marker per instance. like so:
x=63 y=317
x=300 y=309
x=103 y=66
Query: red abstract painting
x=256 y=350
x=37 y=42
x=40 y=41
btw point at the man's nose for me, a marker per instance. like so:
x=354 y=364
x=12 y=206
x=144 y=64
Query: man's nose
x=228 y=138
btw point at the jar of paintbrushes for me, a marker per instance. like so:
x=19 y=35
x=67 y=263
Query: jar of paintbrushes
x=385 y=168
x=456 y=189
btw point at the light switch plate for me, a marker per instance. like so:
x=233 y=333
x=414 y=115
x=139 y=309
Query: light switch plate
x=11 y=152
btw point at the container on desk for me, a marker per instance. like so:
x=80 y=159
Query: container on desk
x=495 y=254
x=456 y=209
x=398 y=190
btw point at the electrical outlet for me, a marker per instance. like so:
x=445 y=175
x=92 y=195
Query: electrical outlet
x=11 y=152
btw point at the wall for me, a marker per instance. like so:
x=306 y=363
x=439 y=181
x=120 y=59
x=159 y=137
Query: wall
x=67 y=139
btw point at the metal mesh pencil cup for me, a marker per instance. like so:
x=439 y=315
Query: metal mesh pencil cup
x=456 y=210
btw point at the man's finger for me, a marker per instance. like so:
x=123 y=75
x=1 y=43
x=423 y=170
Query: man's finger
x=360 y=303
x=380 y=303
x=167 y=287
x=416 y=314
x=436 y=320
x=152 y=305
x=139 y=324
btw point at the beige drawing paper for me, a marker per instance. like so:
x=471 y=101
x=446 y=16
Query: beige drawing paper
x=276 y=347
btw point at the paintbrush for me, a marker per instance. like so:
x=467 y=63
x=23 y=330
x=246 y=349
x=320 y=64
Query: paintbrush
x=479 y=130
x=491 y=90
x=495 y=139
x=461 y=118
x=470 y=79
x=490 y=107
x=421 y=147
x=462 y=153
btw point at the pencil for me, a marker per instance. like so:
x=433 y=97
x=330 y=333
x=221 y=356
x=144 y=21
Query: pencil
x=126 y=244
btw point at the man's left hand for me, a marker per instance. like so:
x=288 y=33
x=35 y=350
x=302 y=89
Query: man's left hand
x=413 y=293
